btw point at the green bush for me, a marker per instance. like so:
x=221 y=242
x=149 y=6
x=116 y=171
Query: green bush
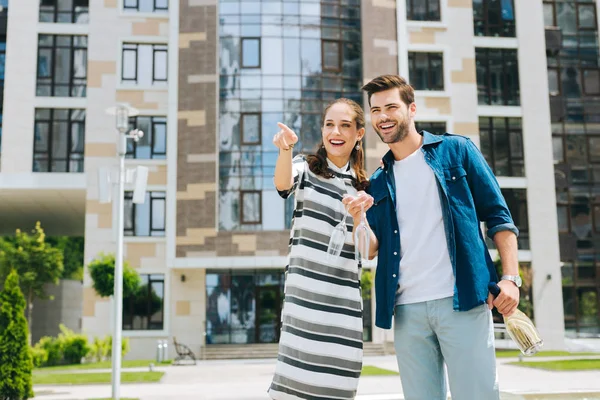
x=100 y=350
x=102 y=272
x=40 y=356
x=124 y=346
x=52 y=348
x=74 y=346
x=16 y=365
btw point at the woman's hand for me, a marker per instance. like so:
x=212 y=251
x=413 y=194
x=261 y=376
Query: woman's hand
x=286 y=138
x=355 y=204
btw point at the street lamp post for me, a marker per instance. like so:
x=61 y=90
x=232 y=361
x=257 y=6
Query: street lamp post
x=122 y=113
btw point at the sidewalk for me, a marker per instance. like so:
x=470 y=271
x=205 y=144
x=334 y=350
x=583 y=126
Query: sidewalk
x=249 y=380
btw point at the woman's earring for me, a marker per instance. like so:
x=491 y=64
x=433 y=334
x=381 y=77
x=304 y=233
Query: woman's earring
x=358 y=145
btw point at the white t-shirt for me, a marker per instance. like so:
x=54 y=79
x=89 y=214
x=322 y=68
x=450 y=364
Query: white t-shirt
x=425 y=267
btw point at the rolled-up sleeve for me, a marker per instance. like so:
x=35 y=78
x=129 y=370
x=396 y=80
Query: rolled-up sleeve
x=489 y=202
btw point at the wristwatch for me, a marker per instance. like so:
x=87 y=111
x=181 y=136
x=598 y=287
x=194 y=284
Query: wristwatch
x=516 y=279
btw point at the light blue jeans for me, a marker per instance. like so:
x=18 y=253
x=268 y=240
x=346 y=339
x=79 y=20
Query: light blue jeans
x=431 y=333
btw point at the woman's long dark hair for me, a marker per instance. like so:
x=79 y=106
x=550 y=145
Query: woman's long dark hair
x=318 y=162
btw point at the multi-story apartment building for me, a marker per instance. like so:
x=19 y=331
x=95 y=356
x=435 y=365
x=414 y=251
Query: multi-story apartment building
x=211 y=78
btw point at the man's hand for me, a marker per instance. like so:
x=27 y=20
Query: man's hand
x=286 y=138
x=353 y=204
x=508 y=299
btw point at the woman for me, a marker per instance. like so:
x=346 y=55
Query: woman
x=320 y=347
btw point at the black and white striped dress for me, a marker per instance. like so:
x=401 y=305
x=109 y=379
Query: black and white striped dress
x=321 y=346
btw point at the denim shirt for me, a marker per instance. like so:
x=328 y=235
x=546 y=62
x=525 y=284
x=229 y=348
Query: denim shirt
x=469 y=193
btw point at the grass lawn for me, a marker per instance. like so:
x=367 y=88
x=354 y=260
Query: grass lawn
x=95 y=378
x=515 y=353
x=101 y=365
x=369 y=370
x=562 y=365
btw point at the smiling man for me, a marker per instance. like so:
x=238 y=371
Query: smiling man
x=433 y=267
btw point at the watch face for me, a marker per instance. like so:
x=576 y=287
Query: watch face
x=518 y=281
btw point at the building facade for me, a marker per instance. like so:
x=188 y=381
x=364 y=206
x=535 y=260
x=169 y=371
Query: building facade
x=211 y=78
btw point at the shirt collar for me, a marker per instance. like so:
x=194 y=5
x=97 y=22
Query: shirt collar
x=428 y=140
x=335 y=168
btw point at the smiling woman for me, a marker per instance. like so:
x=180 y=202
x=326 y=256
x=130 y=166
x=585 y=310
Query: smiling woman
x=323 y=303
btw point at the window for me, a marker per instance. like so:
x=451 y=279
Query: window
x=494 y=18
x=62 y=66
x=423 y=10
x=146 y=219
x=501 y=142
x=251 y=209
x=516 y=200
x=591 y=81
x=144 y=310
x=426 y=70
x=153 y=145
x=437 y=128
x=250 y=53
x=2 y=64
x=64 y=11
x=251 y=128
x=59 y=140
x=332 y=55
x=136 y=62
x=497 y=77
x=146 y=5
x=312 y=55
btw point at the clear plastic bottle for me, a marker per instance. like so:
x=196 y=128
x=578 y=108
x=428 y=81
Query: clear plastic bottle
x=520 y=328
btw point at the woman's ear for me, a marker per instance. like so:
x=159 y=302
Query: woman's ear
x=361 y=134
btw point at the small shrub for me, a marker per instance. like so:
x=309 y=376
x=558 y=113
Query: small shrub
x=40 y=356
x=74 y=346
x=52 y=348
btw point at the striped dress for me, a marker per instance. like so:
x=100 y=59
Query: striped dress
x=320 y=347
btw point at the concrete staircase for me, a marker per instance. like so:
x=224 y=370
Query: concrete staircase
x=253 y=351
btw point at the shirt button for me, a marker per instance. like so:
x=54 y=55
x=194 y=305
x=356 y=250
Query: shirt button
x=453 y=178
x=395 y=253
x=395 y=231
x=393 y=276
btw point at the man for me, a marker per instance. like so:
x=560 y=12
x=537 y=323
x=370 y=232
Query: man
x=433 y=266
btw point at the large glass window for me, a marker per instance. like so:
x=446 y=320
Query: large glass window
x=59 y=140
x=575 y=113
x=438 y=128
x=62 y=66
x=243 y=306
x=147 y=6
x=64 y=11
x=312 y=56
x=426 y=70
x=2 y=63
x=153 y=145
x=501 y=142
x=494 y=18
x=423 y=10
x=144 y=64
x=516 y=199
x=146 y=219
x=144 y=310
x=497 y=77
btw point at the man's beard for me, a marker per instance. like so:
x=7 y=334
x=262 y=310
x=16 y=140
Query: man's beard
x=397 y=136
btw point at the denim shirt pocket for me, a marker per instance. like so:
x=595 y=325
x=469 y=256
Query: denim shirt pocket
x=456 y=184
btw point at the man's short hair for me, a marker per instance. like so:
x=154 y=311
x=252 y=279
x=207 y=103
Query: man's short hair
x=386 y=82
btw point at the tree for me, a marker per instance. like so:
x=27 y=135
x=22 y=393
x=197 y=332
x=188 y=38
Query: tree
x=72 y=248
x=35 y=261
x=102 y=272
x=16 y=364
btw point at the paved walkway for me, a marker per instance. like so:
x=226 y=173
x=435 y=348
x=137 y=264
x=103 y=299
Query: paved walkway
x=249 y=380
